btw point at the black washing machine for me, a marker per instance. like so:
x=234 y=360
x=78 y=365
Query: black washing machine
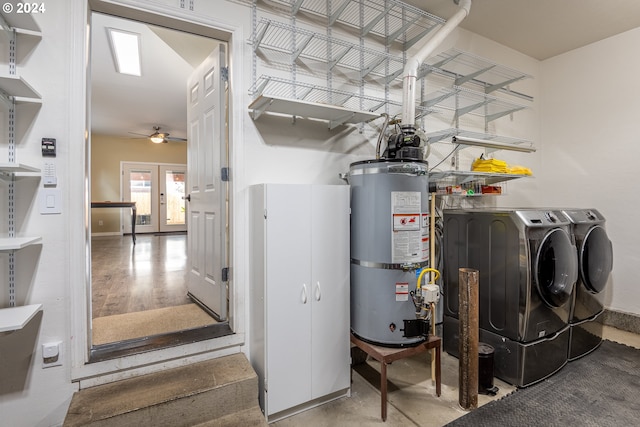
x=595 y=263
x=527 y=271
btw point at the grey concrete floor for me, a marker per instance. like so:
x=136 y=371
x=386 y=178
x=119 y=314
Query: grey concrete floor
x=411 y=394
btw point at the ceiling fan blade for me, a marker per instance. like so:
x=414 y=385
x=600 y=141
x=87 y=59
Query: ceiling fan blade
x=139 y=134
x=157 y=134
x=171 y=138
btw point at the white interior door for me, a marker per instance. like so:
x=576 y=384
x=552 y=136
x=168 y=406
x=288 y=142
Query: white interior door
x=207 y=192
x=171 y=200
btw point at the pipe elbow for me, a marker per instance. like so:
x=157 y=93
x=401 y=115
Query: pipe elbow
x=411 y=67
x=465 y=5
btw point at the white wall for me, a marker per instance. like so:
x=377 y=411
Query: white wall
x=29 y=394
x=590 y=140
x=274 y=149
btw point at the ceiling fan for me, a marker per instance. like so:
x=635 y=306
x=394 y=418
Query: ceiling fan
x=158 y=137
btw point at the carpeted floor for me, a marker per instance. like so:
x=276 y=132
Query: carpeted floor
x=601 y=389
x=120 y=327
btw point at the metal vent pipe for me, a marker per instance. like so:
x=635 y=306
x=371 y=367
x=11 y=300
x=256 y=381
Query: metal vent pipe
x=410 y=72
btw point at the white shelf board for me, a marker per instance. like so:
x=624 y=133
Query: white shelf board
x=24 y=33
x=21 y=20
x=17 y=167
x=15 y=318
x=26 y=100
x=17 y=86
x=21 y=34
x=15 y=243
x=334 y=114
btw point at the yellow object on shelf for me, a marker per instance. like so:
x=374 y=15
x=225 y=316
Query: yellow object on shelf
x=520 y=170
x=490 y=165
x=498 y=166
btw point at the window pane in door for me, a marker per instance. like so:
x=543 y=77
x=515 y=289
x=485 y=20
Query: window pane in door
x=140 y=181
x=175 y=203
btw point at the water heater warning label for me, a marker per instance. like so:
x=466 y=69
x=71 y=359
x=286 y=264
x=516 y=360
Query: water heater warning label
x=406 y=234
x=402 y=291
x=406 y=222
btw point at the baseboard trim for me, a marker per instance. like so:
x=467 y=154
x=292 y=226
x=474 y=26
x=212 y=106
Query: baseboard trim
x=106 y=233
x=620 y=320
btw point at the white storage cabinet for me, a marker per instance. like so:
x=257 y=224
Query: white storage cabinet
x=299 y=330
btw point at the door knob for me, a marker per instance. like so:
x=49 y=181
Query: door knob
x=188 y=198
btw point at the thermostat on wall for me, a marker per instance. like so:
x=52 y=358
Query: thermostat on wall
x=49 y=147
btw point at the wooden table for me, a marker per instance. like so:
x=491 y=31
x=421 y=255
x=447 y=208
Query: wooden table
x=131 y=205
x=386 y=355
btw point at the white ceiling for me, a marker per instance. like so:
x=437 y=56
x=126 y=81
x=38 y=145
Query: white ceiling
x=538 y=28
x=542 y=28
x=121 y=104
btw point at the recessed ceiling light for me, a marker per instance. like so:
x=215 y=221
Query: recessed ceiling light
x=126 y=51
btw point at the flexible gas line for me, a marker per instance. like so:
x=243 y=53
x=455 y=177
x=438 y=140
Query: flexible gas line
x=427 y=270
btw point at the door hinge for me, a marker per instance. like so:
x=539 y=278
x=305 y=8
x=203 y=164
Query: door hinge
x=224 y=73
x=225 y=174
x=225 y=274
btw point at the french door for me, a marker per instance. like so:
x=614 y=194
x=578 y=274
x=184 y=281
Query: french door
x=159 y=193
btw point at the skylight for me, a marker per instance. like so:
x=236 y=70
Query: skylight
x=126 y=51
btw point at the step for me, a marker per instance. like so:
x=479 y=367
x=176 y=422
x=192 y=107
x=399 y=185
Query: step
x=252 y=417
x=185 y=396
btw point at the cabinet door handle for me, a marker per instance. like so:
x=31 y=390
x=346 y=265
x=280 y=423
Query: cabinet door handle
x=318 y=292
x=303 y=297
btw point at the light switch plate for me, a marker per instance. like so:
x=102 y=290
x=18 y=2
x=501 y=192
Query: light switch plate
x=50 y=201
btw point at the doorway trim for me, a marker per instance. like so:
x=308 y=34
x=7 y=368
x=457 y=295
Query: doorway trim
x=78 y=201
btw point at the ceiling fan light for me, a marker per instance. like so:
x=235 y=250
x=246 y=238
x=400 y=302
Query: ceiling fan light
x=156 y=139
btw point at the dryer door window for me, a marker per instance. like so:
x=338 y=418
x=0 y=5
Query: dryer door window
x=556 y=269
x=596 y=259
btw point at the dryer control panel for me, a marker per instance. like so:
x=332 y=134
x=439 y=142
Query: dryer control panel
x=541 y=218
x=584 y=216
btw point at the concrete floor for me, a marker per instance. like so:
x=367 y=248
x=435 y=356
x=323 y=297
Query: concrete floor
x=411 y=396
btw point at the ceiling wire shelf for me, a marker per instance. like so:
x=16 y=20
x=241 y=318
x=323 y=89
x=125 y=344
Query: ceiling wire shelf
x=278 y=95
x=277 y=36
x=465 y=67
x=465 y=177
x=502 y=142
x=405 y=24
x=465 y=101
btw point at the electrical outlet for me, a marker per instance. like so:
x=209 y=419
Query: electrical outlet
x=100 y=222
x=52 y=354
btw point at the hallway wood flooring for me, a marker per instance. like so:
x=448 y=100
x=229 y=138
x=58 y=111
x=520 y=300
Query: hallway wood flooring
x=127 y=278
x=139 y=297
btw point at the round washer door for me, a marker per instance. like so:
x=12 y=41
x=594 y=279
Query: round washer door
x=556 y=268
x=596 y=259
